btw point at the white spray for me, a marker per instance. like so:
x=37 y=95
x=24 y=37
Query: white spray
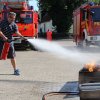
x=59 y=51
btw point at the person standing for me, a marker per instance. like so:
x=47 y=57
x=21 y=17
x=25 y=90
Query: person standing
x=7 y=29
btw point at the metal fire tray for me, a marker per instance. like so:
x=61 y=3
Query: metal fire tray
x=89 y=91
x=89 y=77
x=89 y=85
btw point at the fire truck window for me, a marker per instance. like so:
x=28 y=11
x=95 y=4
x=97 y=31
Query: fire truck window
x=95 y=14
x=17 y=18
x=24 y=17
x=28 y=16
x=87 y=15
x=84 y=17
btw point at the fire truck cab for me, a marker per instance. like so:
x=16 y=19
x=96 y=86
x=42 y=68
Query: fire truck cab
x=26 y=18
x=86 y=25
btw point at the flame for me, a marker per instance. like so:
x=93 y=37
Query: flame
x=90 y=66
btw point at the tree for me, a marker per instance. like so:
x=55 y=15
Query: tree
x=60 y=11
x=96 y=1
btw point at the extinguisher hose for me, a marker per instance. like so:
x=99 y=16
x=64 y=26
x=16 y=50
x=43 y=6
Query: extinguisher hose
x=59 y=93
x=10 y=40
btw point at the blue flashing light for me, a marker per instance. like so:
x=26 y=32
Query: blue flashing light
x=31 y=7
x=91 y=3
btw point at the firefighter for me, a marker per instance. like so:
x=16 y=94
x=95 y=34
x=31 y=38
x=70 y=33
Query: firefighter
x=7 y=28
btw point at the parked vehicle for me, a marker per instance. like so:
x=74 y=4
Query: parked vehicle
x=26 y=19
x=86 y=25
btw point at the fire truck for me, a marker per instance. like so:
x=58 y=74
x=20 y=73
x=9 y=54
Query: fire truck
x=86 y=25
x=26 y=18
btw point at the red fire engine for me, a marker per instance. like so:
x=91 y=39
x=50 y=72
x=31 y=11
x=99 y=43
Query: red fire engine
x=87 y=25
x=26 y=19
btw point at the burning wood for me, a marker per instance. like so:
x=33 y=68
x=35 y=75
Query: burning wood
x=91 y=67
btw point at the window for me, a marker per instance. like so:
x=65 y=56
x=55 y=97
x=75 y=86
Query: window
x=84 y=15
x=24 y=17
x=95 y=12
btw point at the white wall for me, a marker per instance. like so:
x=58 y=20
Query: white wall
x=45 y=26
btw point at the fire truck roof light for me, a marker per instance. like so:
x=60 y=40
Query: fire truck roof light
x=91 y=3
x=31 y=7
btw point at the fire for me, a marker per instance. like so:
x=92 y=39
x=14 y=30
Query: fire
x=90 y=66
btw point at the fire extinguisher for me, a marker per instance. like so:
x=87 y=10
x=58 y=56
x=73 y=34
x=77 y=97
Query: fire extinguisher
x=6 y=47
x=5 y=51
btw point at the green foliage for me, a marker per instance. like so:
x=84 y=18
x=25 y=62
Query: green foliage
x=60 y=11
x=96 y=1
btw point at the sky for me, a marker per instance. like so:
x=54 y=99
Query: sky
x=34 y=4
